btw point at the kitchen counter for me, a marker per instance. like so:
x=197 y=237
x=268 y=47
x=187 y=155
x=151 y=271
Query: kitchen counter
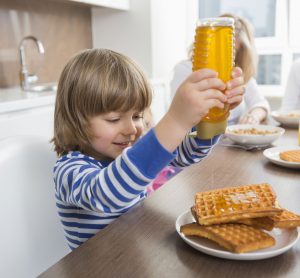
x=26 y=112
x=14 y=99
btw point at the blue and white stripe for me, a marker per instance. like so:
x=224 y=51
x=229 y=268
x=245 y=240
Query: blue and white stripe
x=91 y=194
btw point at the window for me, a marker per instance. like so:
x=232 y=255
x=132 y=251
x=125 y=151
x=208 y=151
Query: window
x=263 y=19
x=294 y=23
x=277 y=39
x=269 y=70
x=296 y=56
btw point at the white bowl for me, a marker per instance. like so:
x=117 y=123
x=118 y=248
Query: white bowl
x=245 y=134
x=287 y=118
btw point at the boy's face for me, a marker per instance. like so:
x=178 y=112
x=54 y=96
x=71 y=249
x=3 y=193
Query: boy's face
x=115 y=131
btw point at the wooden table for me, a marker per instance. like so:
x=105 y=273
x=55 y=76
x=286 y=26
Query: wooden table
x=144 y=243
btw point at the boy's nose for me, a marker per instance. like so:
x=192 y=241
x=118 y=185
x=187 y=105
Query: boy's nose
x=130 y=128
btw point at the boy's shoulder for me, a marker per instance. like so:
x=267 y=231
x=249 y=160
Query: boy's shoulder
x=78 y=157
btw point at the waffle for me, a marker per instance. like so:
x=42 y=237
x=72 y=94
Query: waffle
x=265 y=223
x=235 y=203
x=291 y=156
x=286 y=219
x=237 y=238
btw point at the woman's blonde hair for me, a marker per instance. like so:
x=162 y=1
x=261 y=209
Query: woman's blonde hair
x=245 y=55
x=93 y=82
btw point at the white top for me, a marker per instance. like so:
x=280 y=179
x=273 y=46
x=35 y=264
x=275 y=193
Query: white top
x=291 y=99
x=14 y=99
x=252 y=97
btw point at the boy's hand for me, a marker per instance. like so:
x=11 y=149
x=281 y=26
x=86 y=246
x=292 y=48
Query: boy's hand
x=200 y=92
x=235 y=88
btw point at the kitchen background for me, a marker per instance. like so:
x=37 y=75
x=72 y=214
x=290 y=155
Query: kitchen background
x=142 y=30
x=156 y=34
x=62 y=27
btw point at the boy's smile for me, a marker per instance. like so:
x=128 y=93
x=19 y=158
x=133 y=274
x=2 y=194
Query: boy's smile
x=124 y=144
x=115 y=131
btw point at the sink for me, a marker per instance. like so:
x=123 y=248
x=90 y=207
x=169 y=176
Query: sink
x=42 y=88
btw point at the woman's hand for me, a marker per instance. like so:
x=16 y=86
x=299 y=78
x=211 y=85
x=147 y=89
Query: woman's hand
x=254 y=117
x=235 y=88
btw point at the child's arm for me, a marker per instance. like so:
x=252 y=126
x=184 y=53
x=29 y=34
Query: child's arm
x=194 y=98
x=83 y=182
x=193 y=150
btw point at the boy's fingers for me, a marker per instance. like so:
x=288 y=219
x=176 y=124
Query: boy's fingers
x=201 y=74
x=238 y=81
x=214 y=94
x=237 y=72
x=235 y=99
x=210 y=83
x=236 y=91
x=215 y=103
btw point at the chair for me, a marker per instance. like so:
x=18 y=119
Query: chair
x=31 y=235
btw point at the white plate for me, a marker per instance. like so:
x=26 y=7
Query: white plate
x=273 y=155
x=285 y=239
x=284 y=118
x=254 y=139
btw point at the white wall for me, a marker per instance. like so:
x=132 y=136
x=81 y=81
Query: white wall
x=127 y=32
x=155 y=33
x=172 y=30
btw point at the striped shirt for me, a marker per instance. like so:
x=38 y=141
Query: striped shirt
x=90 y=194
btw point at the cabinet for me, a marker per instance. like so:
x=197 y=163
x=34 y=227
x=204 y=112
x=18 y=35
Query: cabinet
x=33 y=121
x=26 y=113
x=114 y=4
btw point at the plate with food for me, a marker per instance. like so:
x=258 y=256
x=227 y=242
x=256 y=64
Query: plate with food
x=284 y=156
x=287 y=118
x=284 y=238
x=258 y=135
x=239 y=223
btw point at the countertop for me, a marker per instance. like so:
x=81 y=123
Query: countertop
x=14 y=99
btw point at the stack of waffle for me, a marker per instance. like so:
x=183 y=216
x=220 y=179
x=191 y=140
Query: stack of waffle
x=235 y=217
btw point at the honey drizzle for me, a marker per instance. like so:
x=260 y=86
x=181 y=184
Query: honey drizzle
x=234 y=201
x=213 y=168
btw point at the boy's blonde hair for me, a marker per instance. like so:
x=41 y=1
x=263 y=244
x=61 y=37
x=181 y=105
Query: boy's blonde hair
x=245 y=56
x=93 y=82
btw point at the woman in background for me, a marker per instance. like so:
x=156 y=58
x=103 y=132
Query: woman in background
x=255 y=108
x=291 y=99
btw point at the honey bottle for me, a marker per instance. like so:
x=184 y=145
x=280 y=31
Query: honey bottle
x=214 y=49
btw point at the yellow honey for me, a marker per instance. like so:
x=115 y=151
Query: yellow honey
x=234 y=201
x=214 y=49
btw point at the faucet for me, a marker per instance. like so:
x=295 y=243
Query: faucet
x=26 y=78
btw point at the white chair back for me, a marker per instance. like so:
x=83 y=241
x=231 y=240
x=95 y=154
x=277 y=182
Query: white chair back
x=31 y=235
